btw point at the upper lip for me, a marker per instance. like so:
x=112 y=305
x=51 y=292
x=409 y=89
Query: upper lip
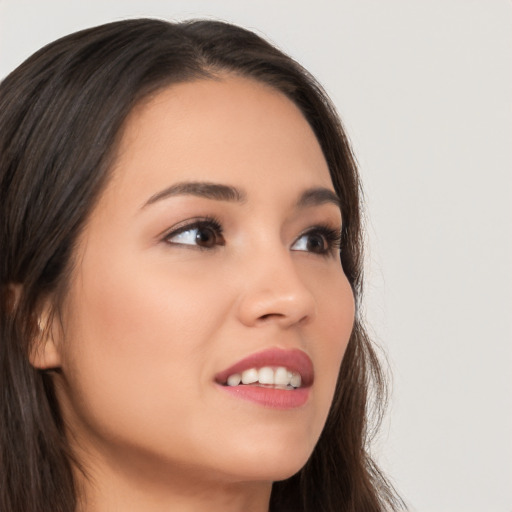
x=294 y=360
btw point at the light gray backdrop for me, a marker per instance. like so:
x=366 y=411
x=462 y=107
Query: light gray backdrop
x=425 y=89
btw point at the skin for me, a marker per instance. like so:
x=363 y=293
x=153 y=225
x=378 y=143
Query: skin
x=150 y=319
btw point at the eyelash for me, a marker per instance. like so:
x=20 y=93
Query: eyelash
x=206 y=223
x=331 y=237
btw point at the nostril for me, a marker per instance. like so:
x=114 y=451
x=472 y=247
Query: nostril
x=270 y=315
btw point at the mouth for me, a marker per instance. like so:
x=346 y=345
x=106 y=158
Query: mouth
x=275 y=378
x=278 y=378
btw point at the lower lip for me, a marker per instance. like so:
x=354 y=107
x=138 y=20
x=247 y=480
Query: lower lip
x=272 y=398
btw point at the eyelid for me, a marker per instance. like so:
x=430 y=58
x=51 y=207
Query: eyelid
x=190 y=224
x=332 y=236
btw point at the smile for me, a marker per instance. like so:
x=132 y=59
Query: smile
x=274 y=378
x=280 y=377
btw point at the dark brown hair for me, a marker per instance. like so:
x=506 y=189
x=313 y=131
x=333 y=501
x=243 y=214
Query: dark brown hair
x=61 y=113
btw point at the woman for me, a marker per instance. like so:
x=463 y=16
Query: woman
x=177 y=330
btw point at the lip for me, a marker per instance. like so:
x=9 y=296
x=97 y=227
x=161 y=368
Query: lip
x=270 y=398
x=294 y=360
x=274 y=398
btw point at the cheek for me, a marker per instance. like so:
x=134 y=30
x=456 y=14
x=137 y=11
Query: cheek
x=336 y=311
x=339 y=320
x=335 y=308
x=140 y=306
x=132 y=339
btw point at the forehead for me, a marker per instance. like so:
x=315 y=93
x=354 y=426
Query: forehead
x=231 y=129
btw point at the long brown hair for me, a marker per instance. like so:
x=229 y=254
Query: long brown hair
x=61 y=113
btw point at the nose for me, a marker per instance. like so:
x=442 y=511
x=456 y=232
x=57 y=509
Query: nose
x=273 y=292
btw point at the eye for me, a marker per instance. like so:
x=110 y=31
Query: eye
x=318 y=240
x=204 y=233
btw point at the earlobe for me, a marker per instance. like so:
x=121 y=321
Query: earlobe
x=44 y=352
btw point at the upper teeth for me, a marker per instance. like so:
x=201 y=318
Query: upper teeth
x=267 y=375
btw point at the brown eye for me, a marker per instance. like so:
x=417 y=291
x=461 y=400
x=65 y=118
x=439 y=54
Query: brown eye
x=319 y=240
x=316 y=243
x=206 y=234
x=205 y=237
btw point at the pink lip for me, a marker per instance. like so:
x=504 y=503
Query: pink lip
x=270 y=397
x=295 y=360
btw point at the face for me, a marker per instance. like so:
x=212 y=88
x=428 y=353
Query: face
x=212 y=254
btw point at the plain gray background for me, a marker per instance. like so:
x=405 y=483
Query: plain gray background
x=424 y=89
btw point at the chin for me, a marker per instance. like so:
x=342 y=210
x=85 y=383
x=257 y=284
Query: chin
x=272 y=459
x=270 y=471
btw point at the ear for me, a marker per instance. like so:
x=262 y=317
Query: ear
x=44 y=352
x=11 y=296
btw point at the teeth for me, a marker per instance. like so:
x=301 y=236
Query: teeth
x=282 y=376
x=279 y=377
x=296 y=380
x=250 y=376
x=266 y=375
x=234 y=380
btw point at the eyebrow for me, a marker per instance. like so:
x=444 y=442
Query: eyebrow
x=207 y=190
x=219 y=192
x=318 y=196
